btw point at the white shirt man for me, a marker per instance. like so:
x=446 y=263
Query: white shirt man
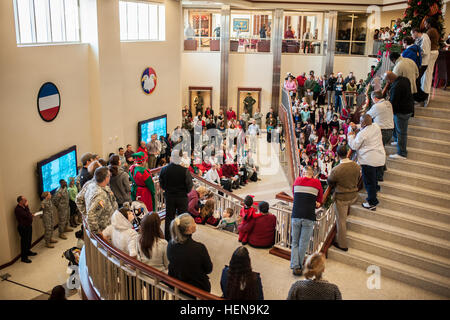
x=212 y=175
x=382 y=114
x=369 y=147
x=407 y=68
x=424 y=42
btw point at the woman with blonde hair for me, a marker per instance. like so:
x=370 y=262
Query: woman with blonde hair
x=189 y=260
x=314 y=287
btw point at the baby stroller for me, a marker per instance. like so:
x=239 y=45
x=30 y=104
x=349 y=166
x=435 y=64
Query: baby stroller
x=139 y=210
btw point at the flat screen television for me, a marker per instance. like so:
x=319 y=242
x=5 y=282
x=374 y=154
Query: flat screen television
x=148 y=127
x=62 y=165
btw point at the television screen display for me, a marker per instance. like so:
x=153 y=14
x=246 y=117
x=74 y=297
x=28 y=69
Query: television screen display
x=60 y=166
x=148 y=127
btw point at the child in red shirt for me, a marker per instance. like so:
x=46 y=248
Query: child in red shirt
x=246 y=214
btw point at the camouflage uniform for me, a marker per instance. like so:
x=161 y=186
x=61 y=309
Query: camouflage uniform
x=80 y=199
x=100 y=205
x=47 y=217
x=61 y=202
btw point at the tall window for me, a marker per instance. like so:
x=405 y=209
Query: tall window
x=142 y=21
x=351 y=33
x=47 y=21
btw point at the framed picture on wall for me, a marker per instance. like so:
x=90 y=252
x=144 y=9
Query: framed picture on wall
x=249 y=99
x=392 y=24
x=241 y=25
x=199 y=99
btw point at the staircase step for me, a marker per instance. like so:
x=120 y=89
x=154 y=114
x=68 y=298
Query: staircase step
x=432 y=112
x=430 y=133
x=395 y=270
x=403 y=220
x=426 y=168
x=429 y=122
x=412 y=207
x=419 y=180
x=400 y=236
x=428 y=144
x=439 y=158
x=423 y=195
x=397 y=252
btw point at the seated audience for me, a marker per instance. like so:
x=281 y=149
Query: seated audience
x=238 y=281
x=261 y=230
x=228 y=221
x=246 y=214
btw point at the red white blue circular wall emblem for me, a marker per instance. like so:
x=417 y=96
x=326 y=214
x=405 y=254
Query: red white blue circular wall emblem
x=148 y=80
x=49 y=101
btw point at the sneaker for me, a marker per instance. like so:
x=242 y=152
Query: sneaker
x=62 y=236
x=397 y=156
x=393 y=143
x=31 y=253
x=26 y=260
x=366 y=205
x=297 y=272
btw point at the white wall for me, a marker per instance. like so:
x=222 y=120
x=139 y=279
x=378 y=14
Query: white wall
x=251 y=71
x=359 y=65
x=200 y=69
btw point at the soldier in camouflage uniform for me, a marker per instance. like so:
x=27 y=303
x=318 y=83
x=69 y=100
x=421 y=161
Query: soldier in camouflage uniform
x=61 y=202
x=100 y=201
x=79 y=200
x=47 y=217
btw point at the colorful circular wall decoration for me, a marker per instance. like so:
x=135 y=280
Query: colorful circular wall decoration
x=148 y=80
x=49 y=101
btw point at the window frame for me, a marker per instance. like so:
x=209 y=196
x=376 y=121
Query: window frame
x=158 y=22
x=351 y=41
x=34 y=41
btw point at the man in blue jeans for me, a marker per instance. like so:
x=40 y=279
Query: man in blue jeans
x=308 y=195
x=403 y=107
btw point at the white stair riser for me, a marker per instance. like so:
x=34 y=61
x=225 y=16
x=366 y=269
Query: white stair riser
x=430 y=146
x=433 y=113
x=412 y=181
x=419 y=168
x=419 y=132
x=388 y=253
x=415 y=195
x=422 y=156
x=429 y=123
x=359 y=211
x=400 y=239
x=411 y=279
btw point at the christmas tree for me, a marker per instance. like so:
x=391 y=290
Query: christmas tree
x=415 y=15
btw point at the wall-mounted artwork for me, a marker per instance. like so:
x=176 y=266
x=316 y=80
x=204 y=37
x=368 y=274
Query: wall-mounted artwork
x=199 y=99
x=48 y=101
x=249 y=100
x=148 y=80
x=241 y=25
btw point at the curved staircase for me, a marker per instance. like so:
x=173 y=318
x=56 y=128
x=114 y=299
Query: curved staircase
x=408 y=236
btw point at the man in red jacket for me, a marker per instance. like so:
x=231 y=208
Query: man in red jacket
x=231 y=114
x=301 y=85
x=261 y=230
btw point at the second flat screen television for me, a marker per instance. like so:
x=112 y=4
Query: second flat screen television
x=151 y=126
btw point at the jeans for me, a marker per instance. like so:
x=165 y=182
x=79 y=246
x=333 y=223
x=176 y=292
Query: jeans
x=386 y=136
x=302 y=230
x=369 y=176
x=401 y=130
x=337 y=103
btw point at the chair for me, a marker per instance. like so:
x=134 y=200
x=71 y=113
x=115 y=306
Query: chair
x=234 y=44
x=263 y=46
x=190 y=45
x=214 y=45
